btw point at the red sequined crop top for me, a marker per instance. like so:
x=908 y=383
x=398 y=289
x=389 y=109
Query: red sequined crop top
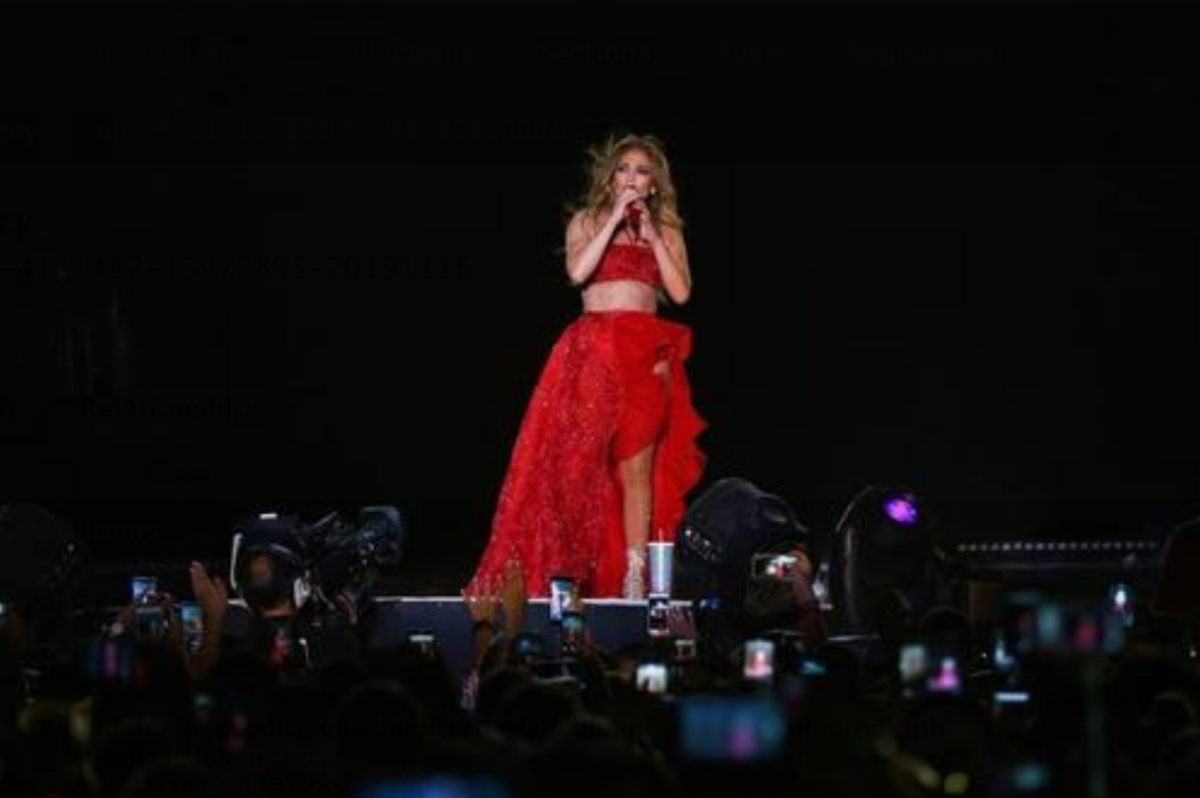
x=628 y=262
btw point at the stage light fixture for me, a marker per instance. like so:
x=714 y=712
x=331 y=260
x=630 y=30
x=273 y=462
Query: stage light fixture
x=884 y=552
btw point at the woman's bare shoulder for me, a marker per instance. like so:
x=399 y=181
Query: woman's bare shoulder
x=583 y=219
x=674 y=235
x=583 y=225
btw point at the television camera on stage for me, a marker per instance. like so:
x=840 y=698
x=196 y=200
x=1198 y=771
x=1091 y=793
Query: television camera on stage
x=308 y=586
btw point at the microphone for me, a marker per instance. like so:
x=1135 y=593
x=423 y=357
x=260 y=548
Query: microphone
x=633 y=216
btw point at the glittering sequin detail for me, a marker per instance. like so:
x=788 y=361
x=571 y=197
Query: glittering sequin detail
x=597 y=401
x=628 y=262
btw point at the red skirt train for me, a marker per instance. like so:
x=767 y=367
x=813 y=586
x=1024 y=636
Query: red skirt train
x=598 y=401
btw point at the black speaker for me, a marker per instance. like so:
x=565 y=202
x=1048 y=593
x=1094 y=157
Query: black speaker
x=723 y=529
x=39 y=553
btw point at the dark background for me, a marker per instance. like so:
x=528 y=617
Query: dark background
x=277 y=258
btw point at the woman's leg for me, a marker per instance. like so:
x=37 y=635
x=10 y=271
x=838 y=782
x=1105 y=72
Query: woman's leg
x=637 y=487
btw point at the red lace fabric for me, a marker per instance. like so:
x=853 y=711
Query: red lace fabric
x=628 y=262
x=597 y=402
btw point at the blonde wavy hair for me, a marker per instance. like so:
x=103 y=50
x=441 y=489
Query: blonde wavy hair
x=603 y=161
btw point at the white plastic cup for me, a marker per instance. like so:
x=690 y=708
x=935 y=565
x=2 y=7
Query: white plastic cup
x=661 y=554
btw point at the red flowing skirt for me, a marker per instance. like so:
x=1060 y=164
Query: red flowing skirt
x=602 y=397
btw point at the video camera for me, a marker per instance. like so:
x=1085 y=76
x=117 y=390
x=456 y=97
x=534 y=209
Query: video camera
x=326 y=566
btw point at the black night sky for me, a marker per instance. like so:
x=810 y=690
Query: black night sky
x=259 y=258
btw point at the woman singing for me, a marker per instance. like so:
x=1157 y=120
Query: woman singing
x=606 y=452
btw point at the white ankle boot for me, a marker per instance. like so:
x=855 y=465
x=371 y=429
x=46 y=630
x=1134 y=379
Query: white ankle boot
x=635 y=574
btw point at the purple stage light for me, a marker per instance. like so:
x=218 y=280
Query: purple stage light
x=902 y=510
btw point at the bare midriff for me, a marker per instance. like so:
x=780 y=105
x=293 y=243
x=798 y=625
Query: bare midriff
x=620 y=295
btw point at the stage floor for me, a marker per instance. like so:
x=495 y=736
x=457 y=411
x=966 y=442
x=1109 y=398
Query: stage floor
x=612 y=624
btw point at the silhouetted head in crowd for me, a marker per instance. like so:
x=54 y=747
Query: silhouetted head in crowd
x=127 y=746
x=1171 y=714
x=533 y=712
x=1177 y=772
x=948 y=629
x=950 y=733
x=494 y=688
x=1143 y=674
x=267 y=585
x=292 y=726
x=423 y=674
x=584 y=762
x=176 y=777
x=48 y=756
x=379 y=731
